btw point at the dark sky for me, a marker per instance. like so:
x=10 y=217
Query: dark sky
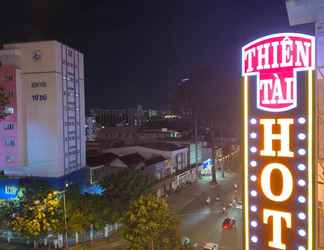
x=136 y=50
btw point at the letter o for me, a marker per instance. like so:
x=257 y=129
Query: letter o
x=287 y=182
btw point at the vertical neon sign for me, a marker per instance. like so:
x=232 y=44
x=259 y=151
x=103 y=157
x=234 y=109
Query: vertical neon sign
x=278 y=96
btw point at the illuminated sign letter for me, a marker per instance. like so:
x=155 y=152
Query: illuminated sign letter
x=302 y=53
x=283 y=137
x=263 y=55
x=277 y=217
x=287 y=59
x=249 y=54
x=287 y=182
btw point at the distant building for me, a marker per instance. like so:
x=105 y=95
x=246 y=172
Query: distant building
x=44 y=132
x=117 y=136
x=119 y=117
x=103 y=164
x=176 y=154
x=91 y=128
x=166 y=129
x=166 y=163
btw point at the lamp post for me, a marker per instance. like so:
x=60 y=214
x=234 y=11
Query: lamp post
x=65 y=221
x=65 y=216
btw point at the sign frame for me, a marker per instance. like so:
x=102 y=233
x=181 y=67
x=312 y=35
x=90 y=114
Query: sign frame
x=311 y=126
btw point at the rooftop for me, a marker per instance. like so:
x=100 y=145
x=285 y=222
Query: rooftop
x=163 y=146
x=154 y=160
x=101 y=159
x=132 y=159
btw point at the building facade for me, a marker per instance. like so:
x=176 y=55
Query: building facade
x=303 y=12
x=46 y=108
x=91 y=128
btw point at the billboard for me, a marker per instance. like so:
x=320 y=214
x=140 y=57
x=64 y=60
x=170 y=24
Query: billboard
x=278 y=112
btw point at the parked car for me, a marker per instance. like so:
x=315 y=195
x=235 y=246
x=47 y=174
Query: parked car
x=217 y=198
x=210 y=246
x=229 y=223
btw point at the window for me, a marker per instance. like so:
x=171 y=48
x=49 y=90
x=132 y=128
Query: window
x=10 y=93
x=8 y=77
x=9 y=110
x=9 y=126
x=10 y=158
x=9 y=142
x=179 y=161
x=38 y=84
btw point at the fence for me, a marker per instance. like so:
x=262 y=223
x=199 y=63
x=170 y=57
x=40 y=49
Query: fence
x=59 y=241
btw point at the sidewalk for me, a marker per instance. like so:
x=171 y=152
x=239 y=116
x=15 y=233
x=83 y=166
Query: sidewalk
x=115 y=242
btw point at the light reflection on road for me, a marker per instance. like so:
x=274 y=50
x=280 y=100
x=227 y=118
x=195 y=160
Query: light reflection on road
x=202 y=222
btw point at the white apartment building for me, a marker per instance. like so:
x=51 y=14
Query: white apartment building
x=46 y=135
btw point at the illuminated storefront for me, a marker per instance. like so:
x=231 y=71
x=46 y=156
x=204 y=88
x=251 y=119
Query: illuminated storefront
x=278 y=96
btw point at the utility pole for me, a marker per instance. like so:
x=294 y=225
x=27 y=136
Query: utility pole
x=212 y=132
x=223 y=161
x=65 y=216
x=196 y=143
x=65 y=221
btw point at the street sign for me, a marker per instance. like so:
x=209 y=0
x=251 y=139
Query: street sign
x=278 y=110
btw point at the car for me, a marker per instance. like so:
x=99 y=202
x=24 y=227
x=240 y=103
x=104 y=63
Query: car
x=229 y=223
x=210 y=246
x=217 y=198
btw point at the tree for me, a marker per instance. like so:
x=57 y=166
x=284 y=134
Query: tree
x=4 y=101
x=6 y=211
x=38 y=217
x=123 y=187
x=149 y=224
x=37 y=212
x=84 y=210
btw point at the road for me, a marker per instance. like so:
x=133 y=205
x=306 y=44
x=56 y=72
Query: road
x=202 y=223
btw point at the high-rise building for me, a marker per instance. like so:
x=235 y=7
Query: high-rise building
x=43 y=134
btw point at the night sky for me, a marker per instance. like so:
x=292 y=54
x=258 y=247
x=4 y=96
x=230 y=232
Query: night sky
x=135 y=51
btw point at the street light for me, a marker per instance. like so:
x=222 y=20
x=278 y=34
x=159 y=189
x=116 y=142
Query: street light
x=64 y=208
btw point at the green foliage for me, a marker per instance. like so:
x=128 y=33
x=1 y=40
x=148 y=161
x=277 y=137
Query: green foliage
x=37 y=212
x=4 y=101
x=33 y=189
x=123 y=187
x=40 y=210
x=149 y=224
x=37 y=217
x=6 y=211
x=83 y=210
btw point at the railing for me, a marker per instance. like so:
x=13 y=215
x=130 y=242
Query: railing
x=59 y=241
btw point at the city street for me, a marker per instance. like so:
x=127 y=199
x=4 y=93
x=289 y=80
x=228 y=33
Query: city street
x=202 y=222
